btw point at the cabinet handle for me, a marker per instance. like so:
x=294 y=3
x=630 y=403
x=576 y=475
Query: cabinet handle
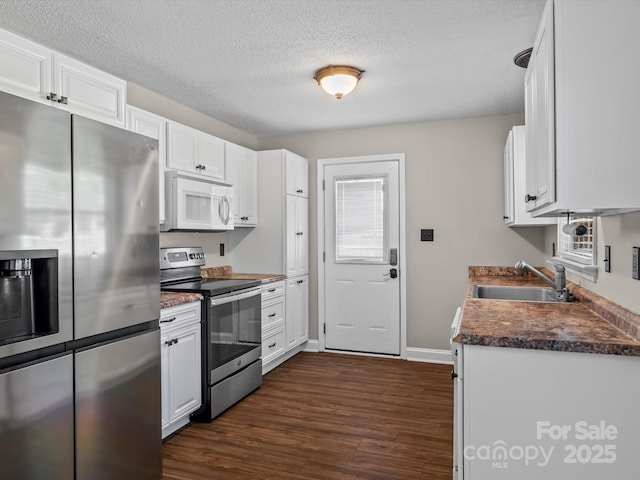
x=529 y=198
x=299 y=191
x=244 y=218
x=53 y=97
x=272 y=345
x=169 y=320
x=63 y=100
x=505 y=217
x=299 y=233
x=168 y=343
x=175 y=340
x=300 y=281
x=272 y=315
x=271 y=290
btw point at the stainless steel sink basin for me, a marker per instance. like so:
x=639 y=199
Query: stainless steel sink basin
x=526 y=294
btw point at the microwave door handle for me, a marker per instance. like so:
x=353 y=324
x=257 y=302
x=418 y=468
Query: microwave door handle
x=215 y=301
x=228 y=209
x=220 y=211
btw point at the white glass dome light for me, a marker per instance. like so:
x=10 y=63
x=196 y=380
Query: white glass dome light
x=338 y=80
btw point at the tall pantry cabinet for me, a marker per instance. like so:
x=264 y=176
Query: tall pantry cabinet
x=280 y=243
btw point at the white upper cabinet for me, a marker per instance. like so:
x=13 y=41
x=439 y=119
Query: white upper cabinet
x=242 y=172
x=25 y=67
x=515 y=214
x=581 y=107
x=297 y=174
x=192 y=151
x=32 y=71
x=153 y=126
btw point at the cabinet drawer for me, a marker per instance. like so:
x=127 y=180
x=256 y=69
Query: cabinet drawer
x=179 y=315
x=272 y=345
x=272 y=312
x=272 y=290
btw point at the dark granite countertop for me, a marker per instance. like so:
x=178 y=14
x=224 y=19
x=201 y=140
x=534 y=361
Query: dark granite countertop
x=591 y=324
x=171 y=299
x=226 y=272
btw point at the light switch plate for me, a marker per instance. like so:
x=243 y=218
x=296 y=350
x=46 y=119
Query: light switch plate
x=426 y=235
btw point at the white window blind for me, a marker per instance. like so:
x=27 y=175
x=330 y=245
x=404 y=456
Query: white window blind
x=579 y=248
x=360 y=220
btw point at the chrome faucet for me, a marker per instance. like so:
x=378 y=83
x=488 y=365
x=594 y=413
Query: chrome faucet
x=559 y=284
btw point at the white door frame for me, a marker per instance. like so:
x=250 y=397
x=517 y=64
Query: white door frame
x=402 y=257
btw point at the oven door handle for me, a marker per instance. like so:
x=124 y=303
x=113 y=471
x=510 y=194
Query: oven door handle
x=221 y=300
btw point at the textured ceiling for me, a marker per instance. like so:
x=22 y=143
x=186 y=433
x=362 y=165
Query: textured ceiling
x=250 y=63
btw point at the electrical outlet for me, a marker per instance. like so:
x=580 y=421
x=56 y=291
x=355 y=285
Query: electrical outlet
x=426 y=235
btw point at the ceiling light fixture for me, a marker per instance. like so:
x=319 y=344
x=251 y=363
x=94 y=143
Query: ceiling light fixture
x=338 y=80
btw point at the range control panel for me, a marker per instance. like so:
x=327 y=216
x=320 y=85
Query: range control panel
x=178 y=257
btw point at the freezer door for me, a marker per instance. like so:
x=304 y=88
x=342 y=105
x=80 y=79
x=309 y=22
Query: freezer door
x=35 y=211
x=118 y=419
x=116 y=231
x=36 y=421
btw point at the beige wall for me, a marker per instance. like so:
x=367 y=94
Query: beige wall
x=152 y=102
x=454 y=184
x=621 y=232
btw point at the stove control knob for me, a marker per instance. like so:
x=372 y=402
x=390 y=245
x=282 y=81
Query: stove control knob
x=192 y=256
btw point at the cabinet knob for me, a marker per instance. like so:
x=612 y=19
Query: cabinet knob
x=53 y=97
x=63 y=100
x=298 y=233
x=505 y=217
x=529 y=198
x=244 y=218
x=300 y=281
x=454 y=375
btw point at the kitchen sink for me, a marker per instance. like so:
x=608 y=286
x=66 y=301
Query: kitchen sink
x=527 y=294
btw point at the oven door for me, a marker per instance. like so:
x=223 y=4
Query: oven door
x=234 y=332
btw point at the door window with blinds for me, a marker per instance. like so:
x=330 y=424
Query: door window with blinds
x=361 y=219
x=577 y=248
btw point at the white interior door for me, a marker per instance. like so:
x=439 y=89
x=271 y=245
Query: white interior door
x=362 y=230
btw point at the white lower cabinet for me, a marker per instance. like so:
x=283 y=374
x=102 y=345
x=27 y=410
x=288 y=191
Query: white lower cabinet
x=273 y=321
x=180 y=337
x=540 y=414
x=297 y=311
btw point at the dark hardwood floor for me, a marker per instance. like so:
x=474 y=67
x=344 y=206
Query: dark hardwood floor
x=327 y=416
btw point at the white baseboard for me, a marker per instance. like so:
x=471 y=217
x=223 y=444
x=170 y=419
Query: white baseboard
x=429 y=355
x=311 y=346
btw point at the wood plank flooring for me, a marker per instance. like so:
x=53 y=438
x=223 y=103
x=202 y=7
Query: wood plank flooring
x=328 y=417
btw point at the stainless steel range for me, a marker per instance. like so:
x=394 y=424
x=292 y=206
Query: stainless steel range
x=231 y=329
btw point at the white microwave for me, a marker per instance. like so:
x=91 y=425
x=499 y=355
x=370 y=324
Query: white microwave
x=196 y=205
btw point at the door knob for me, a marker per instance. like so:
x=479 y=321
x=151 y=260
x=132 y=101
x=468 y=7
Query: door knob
x=393 y=273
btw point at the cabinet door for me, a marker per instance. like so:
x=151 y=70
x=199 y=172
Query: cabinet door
x=185 y=370
x=182 y=147
x=152 y=126
x=241 y=171
x=211 y=156
x=540 y=109
x=302 y=226
x=25 y=68
x=90 y=92
x=165 y=378
x=508 y=180
x=297 y=311
x=297 y=175
x=296 y=232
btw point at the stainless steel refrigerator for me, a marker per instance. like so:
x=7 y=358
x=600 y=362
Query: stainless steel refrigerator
x=79 y=298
